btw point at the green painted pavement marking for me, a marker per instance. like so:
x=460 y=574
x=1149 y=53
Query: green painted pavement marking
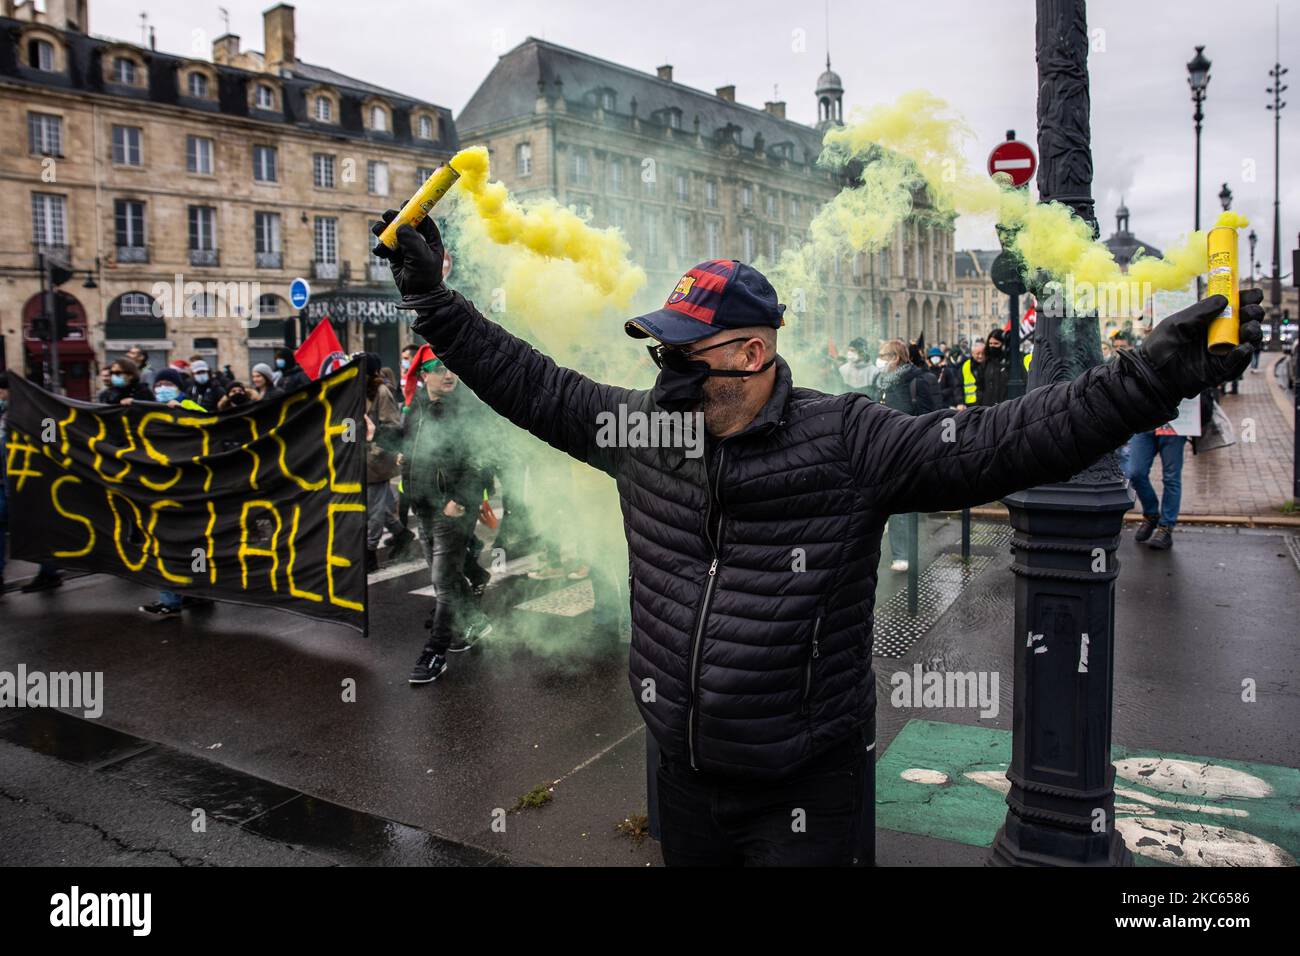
x=948 y=781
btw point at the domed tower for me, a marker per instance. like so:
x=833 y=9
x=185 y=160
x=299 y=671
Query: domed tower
x=830 y=98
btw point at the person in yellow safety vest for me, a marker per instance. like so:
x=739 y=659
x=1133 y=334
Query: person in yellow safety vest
x=970 y=371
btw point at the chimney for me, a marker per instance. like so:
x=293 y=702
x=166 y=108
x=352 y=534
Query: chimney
x=777 y=109
x=277 y=29
x=225 y=49
x=727 y=93
x=666 y=72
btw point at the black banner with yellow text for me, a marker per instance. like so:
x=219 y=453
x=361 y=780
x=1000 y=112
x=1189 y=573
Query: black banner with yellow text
x=260 y=505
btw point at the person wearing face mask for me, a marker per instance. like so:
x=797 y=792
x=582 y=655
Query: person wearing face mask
x=236 y=396
x=996 y=370
x=903 y=386
x=289 y=374
x=206 y=390
x=753 y=566
x=856 y=372
x=124 y=384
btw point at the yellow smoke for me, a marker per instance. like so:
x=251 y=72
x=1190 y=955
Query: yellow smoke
x=913 y=149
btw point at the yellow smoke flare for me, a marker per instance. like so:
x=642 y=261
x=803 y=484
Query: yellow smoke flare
x=548 y=229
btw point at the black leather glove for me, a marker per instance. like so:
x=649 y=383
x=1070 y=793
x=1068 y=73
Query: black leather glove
x=416 y=262
x=1176 y=350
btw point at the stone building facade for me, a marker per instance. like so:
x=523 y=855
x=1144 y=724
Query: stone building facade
x=187 y=194
x=689 y=175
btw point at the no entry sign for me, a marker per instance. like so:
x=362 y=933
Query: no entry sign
x=1015 y=159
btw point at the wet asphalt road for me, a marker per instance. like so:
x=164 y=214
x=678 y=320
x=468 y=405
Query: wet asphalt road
x=261 y=692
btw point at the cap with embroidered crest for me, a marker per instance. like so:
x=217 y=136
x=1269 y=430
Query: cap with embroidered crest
x=713 y=296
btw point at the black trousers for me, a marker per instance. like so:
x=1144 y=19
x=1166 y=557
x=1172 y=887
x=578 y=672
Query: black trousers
x=446 y=547
x=823 y=815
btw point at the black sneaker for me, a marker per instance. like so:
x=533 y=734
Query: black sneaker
x=473 y=634
x=1162 y=540
x=428 y=668
x=158 y=609
x=1145 y=529
x=402 y=547
x=43 y=582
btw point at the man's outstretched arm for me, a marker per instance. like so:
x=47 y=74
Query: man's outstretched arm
x=948 y=460
x=556 y=404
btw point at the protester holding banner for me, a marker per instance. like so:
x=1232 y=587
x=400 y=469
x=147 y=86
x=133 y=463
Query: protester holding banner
x=445 y=485
x=47 y=575
x=290 y=375
x=124 y=382
x=206 y=391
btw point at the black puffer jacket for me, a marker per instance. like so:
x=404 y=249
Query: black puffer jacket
x=753 y=654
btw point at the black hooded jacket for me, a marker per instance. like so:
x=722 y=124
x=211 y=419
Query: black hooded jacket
x=751 y=650
x=443 y=444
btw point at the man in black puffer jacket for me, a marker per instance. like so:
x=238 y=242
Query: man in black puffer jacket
x=753 y=566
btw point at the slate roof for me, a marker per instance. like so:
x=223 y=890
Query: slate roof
x=510 y=91
x=968 y=259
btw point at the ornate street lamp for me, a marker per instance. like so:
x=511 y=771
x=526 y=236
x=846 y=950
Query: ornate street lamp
x=1225 y=197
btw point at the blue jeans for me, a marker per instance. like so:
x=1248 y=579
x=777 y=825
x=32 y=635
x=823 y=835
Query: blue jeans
x=1143 y=448
x=899 y=528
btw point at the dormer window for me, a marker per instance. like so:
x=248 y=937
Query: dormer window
x=40 y=55
x=264 y=97
x=324 y=109
x=607 y=99
x=378 y=118
x=124 y=71
x=198 y=86
x=424 y=127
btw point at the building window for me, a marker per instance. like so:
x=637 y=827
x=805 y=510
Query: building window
x=607 y=100
x=45 y=134
x=264 y=97
x=126 y=145
x=379 y=119
x=124 y=71
x=524 y=159
x=198 y=86
x=794 y=208
x=265 y=165
x=578 y=171
x=198 y=155
x=377 y=178
x=324 y=109
x=683 y=231
x=747 y=234
x=773 y=245
x=616 y=217
x=203 y=229
x=713 y=238
x=49 y=219
x=747 y=196
x=652 y=235
x=683 y=187
x=40 y=55
x=135 y=305
x=266 y=239
x=323 y=170
x=424 y=127
x=769 y=204
x=711 y=194
x=327 y=243
x=421 y=174
x=128 y=219
x=616 y=175
x=675 y=118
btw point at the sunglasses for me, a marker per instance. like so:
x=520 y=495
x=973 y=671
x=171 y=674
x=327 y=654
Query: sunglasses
x=676 y=358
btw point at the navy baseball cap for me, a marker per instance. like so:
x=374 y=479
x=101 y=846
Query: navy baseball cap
x=715 y=295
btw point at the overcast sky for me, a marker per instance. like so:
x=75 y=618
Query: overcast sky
x=978 y=56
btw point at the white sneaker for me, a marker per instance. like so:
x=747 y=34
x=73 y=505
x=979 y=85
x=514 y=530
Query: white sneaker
x=898 y=566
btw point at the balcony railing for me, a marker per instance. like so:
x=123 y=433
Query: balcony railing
x=132 y=253
x=204 y=257
x=324 y=270
x=270 y=260
x=59 y=253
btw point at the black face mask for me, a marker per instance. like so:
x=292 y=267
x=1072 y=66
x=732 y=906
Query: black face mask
x=680 y=387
